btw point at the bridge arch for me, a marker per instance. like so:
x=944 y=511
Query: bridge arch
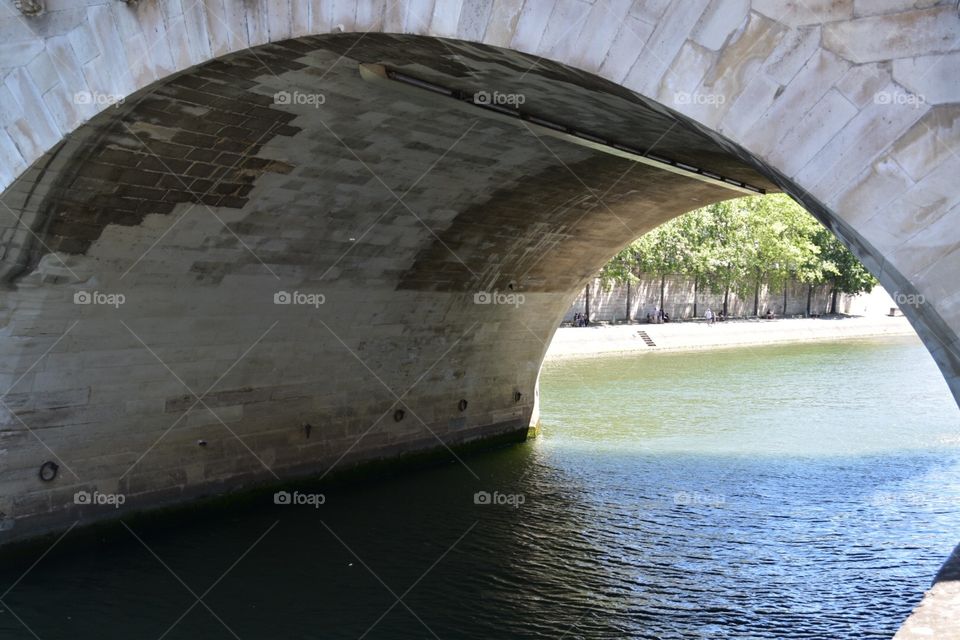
x=853 y=104
x=303 y=278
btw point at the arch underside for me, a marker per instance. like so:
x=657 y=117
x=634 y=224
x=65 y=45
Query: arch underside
x=201 y=198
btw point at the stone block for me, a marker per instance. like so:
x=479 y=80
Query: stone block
x=929 y=143
x=589 y=48
x=288 y=20
x=11 y=162
x=83 y=42
x=749 y=106
x=622 y=55
x=446 y=18
x=863 y=83
x=42 y=73
x=257 y=24
x=418 y=14
x=39 y=133
x=651 y=11
x=561 y=39
x=873 y=190
x=115 y=71
x=933 y=79
x=679 y=87
x=662 y=46
x=797 y=14
x=888 y=37
x=474 y=16
x=504 y=16
x=855 y=141
x=531 y=25
x=371 y=15
x=734 y=68
x=812 y=132
x=807 y=88
x=719 y=21
x=864 y=8
x=793 y=50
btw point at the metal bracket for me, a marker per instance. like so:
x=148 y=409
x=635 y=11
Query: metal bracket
x=377 y=73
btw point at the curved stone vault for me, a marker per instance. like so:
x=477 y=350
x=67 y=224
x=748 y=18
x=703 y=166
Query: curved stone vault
x=185 y=214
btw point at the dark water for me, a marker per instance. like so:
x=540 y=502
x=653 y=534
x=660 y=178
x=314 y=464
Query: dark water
x=783 y=492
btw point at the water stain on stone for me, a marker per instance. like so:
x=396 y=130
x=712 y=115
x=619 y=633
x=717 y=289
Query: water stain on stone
x=193 y=139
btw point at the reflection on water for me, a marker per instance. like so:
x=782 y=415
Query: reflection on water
x=801 y=491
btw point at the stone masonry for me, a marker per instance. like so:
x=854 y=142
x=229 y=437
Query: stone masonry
x=228 y=259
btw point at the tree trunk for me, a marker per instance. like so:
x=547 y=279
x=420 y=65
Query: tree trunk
x=586 y=310
x=809 y=298
x=663 y=284
x=696 y=285
x=833 y=301
x=726 y=296
x=756 y=299
x=784 y=314
x=627 y=315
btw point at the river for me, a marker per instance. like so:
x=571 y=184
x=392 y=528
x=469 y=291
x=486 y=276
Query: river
x=806 y=491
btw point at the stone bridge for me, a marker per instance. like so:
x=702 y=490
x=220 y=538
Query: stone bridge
x=249 y=240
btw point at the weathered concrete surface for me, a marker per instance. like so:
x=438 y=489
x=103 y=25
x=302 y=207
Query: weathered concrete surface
x=938 y=615
x=608 y=302
x=199 y=197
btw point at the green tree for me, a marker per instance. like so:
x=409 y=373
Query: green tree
x=724 y=257
x=696 y=227
x=740 y=245
x=622 y=269
x=782 y=233
x=843 y=273
x=661 y=252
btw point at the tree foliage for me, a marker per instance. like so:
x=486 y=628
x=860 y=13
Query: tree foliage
x=738 y=245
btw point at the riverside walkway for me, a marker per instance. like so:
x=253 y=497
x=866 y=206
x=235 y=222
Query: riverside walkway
x=597 y=340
